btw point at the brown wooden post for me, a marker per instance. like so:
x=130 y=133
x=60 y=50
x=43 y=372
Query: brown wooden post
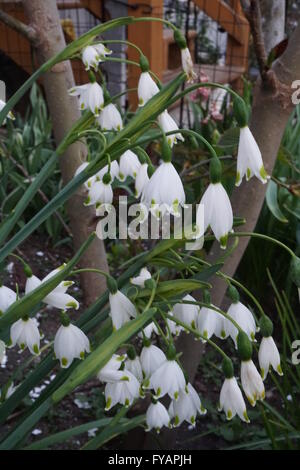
x=237 y=52
x=149 y=37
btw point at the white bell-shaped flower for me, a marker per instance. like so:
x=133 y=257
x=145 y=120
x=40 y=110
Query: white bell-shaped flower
x=147 y=88
x=164 y=189
x=151 y=359
x=168 y=124
x=58 y=298
x=25 y=332
x=123 y=392
x=149 y=330
x=252 y=383
x=129 y=165
x=70 y=343
x=268 y=355
x=108 y=372
x=9 y=115
x=141 y=278
x=134 y=366
x=210 y=322
x=244 y=318
x=99 y=193
x=90 y=96
x=217 y=212
x=92 y=55
x=186 y=407
x=232 y=401
x=168 y=379
x=110 y=118
x=187 y=313
x=141 y=180
x=157 y=417
x=187 y=64
x=249 y=159
x=7 y=298
x=121 y=309
x=114 y=171
x=174 y=328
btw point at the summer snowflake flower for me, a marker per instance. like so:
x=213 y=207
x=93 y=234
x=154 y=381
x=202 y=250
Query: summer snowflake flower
x=186 y=407
x=134 y=366
x=110 y=118
x=187 y=64
x=7 y=297
x=168 y=124
x=249 y=159
x=244 y=318
x=187 y=313
x=232 y=401
x=147 y=88
x=141 y=278
x=141 y=180
x=164 y=189
x=151 y=359
x=148 y=330
x=174 y=328
x=252 y=383
x=168 y=379
x=210 y=322
x=70 y=343
x=217 y=212
x=121 y=309
x=157 y=417
x=99 y=193
x=25 y=332
x=58 y=297
x=92 y=55
x=9 y=115
x=90 y=96
x=106 y=374
x=129 y=165
x=268 y=355
x=123 y=392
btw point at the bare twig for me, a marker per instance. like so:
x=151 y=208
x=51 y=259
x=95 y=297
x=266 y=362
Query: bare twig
x=17 y=25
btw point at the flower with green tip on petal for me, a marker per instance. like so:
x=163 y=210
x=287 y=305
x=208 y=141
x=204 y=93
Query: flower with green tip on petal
x=168 y=379
x=157 y=417
x=249 y=160
x=210 y=322
x=92 y=55
x=90 y=96
x=25 y=332
x=9 y=115
x=186 y=407
x=187 y=64
x=7 y=298
x=244 y=318
x=134 y=366
x=187 y=313
x=151 y=359
x=147 y=88
x=252 y=383
x=141 y=180
x=124 y=391
x=70 y=343
x=110 y=118
x=268 y=355
x=106 y=374
x=121 y=309
x=168 y=124
x=232 y=401
x=141 y=278
x=129 y=165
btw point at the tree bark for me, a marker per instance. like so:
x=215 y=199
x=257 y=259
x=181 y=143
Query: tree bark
x=273 y=22
x=44 y=19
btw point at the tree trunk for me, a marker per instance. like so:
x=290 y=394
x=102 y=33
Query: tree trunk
x=273 y=22
x=44 y=18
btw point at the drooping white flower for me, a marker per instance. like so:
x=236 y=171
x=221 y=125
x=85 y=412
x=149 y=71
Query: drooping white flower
x=90 y=96
x=232 y=401
x=168 y=379
x=7 y=297
x=174 y=328
x=107 y=373
x=123 y=392
x=268 y=355
x=129 y=165
x=114 y=171
x=141 y=179
x=168 y=124
x=157 y=417
x=25 y=332
x=148 y=330
x=134 y=366
x=141 y=278
x=244 y=318
x=92 y=55
x=9 y=115
x=121 y=309
x=99 y=193
x=252 y=383
x=164 y=189
x=70 y=343
x=151 y=359
x=187 y=64
x=147 y=88
x=57 y=298
x=249 y=159
x=110 y=118
x=186 y=407
x=210 y=322
x=217 y=212
x=187 y=313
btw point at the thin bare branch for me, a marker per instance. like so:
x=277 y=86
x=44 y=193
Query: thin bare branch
x=17 y=25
